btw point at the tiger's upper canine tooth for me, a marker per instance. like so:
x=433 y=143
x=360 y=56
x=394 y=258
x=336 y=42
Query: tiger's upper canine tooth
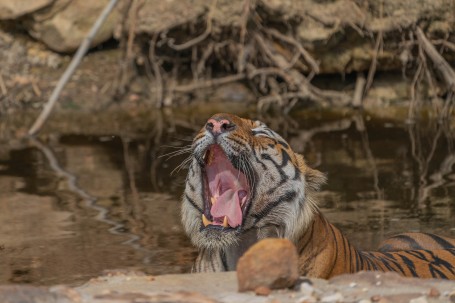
x=206 y=221
x=213 y=200
x=209 y=157
x=225 y=222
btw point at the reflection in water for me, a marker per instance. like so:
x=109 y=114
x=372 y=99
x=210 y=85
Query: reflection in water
x=84 y=204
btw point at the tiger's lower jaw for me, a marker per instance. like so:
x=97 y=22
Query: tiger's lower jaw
x=215 y=239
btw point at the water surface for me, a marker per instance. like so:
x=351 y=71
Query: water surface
x=73 y=205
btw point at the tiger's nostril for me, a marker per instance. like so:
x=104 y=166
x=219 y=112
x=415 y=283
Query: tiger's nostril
x=226 y=127
x=216 y=127
x=209 y=126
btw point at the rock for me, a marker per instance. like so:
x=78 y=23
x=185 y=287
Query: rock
x=434 y=293
x=13 y=9
x=452 y=297
x=421 y=299
x=33 y=294
x=269 y=263
x=262 y=291
x=336 y=297
x=63 y=25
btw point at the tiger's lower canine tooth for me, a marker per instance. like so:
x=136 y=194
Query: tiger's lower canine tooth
x=225 y=222
x=205 y=221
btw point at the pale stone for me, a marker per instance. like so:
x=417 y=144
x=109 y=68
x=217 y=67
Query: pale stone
x=10 y=9
x=64 y=25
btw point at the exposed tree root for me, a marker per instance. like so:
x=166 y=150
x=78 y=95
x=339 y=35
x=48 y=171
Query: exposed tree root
x=265 y=53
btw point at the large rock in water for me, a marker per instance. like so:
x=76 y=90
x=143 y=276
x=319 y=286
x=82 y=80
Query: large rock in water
x=270 y=263
x=63 y=25
x=10 y=9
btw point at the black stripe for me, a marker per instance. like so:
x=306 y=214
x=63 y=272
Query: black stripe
x=309 y=239
x=409 y=264
x=284 y=144
x=436 y=273
x=264 y=167
x=287 y=197
x=279 y=167
x=296 y=173
x=371 y=262
x=444 y=244
x=259 y=132
x=393 y=261
x=357 y=261
x=193 y=203
x=409 y=240
x=441 y=262
x=336 y=242
x=238 y=141
x=417 y=254
x=224 y=262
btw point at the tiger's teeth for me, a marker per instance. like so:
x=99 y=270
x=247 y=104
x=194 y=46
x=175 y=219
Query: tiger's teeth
x=225 y=222
x=210 y=156
x=205 y=221
x=213 y=200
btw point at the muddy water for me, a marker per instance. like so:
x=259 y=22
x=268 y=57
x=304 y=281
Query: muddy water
x=72 y=205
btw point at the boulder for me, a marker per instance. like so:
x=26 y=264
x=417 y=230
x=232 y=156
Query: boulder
x=64 y=25
x=14 y=9
x=270 y=263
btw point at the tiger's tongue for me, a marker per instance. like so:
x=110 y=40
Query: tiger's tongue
x=228 y=188
x=228 y=204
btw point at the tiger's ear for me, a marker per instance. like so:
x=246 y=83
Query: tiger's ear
x=314 y=178
x=258 y=123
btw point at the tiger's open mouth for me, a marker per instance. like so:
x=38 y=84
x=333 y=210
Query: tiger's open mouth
x=226 y=191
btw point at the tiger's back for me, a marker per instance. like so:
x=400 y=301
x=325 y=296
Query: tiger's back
x=245 y=183
x=416 y=241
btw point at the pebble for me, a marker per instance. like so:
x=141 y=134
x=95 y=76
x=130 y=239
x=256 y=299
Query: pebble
x=421 y=299
x=336 y=297
x=307 y=299
x=434 y=293
x=262 y=291
x=306 y=289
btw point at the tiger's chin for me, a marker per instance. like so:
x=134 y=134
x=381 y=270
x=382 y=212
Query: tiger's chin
x=215 y=239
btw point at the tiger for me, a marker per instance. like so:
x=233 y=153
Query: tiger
x=245 y=183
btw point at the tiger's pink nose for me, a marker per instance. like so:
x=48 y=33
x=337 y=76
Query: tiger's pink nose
x=219 y=126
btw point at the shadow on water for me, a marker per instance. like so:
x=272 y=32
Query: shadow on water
x=82 y=203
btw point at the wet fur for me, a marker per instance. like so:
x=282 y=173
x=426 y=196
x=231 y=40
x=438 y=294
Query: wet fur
x=283 y=205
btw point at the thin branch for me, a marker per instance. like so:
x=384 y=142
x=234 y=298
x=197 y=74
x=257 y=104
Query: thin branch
x=377 y=47
x=200 y=38
x=208 y=83
x=3 y=88
x=359 y=89
x=157 y=72
x=439 y=62
x=81 y=51
x=302 y=51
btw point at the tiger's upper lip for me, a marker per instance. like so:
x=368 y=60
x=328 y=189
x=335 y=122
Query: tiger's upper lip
x=227 y=190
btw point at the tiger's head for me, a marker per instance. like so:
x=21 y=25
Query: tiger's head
x=245 y=177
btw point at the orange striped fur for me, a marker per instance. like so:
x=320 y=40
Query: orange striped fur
x=281 y=202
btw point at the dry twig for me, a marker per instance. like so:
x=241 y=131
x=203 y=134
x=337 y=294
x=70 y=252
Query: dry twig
x=81 y=51
x=302 y=51
x=208 y=83
x=439 y=62
x=200 y=38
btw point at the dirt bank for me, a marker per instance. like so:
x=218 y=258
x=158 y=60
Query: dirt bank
x=132 y=287
x=271 y=54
